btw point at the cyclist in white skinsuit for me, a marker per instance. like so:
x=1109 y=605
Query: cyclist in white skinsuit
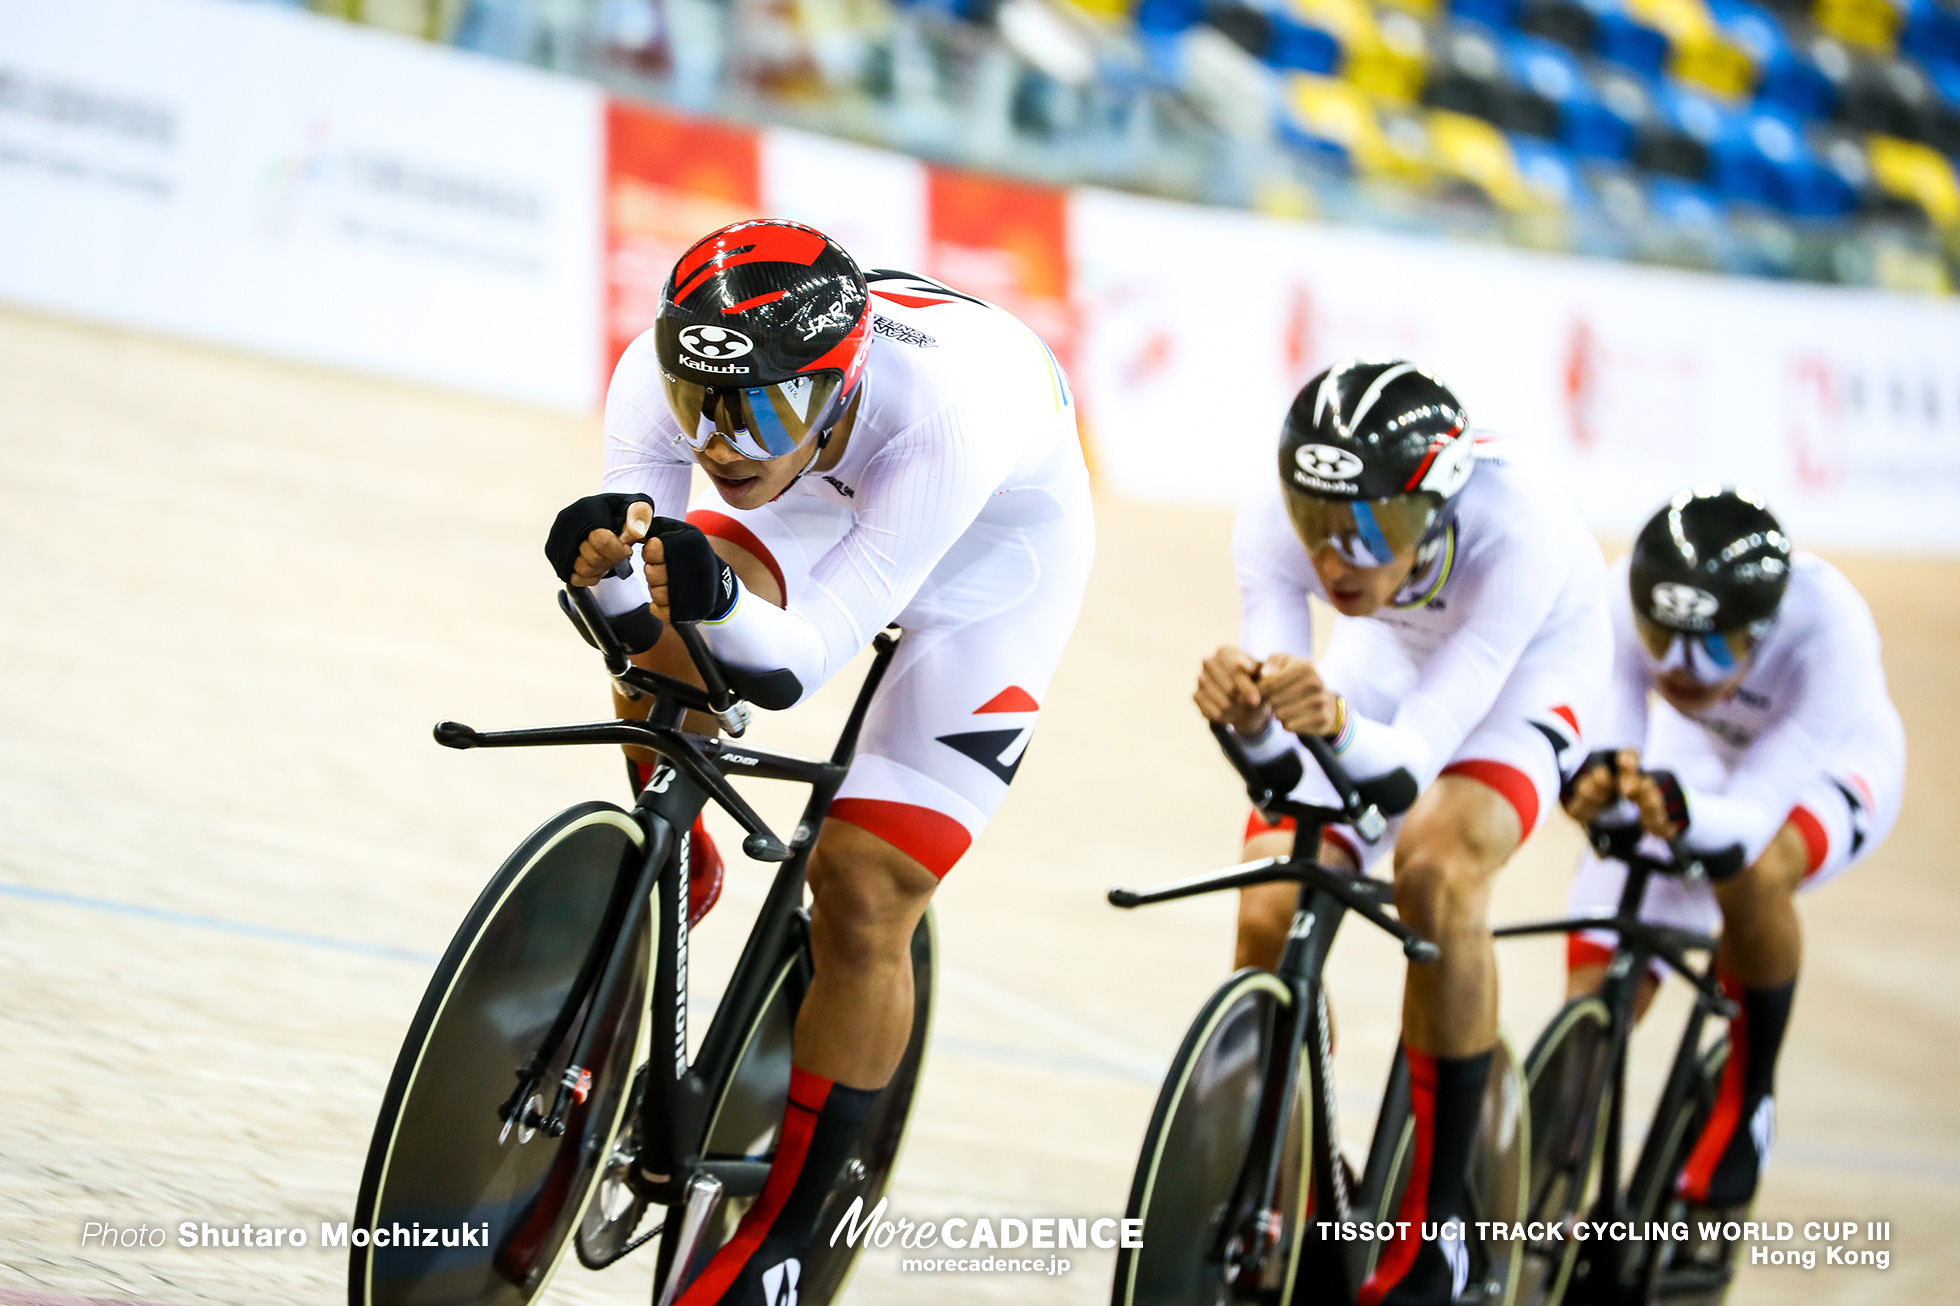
x=1485 y=664
x=1773 y=732
x=890 y=451
x=1472 y=653
x=959 y=509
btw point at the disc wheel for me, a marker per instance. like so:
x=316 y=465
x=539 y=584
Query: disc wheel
x=1196 y=1148
x=748 y=1113
x=441 y=1156
x=1570 y=1098
x=1685 y=1272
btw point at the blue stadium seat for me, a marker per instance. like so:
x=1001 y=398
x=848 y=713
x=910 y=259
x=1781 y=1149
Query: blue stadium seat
x=1301 y=46
x=1552 y=173
x=1624 y=39
x=1167 y=17
x=1491 y=13
x=1791 y=81
x=1932 y=32
x=1763 y=158
x=1683 y=203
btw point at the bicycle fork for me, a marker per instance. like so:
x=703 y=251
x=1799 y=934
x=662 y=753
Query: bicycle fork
x=598 y=977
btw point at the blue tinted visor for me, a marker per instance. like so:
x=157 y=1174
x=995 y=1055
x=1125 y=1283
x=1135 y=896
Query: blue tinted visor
x=760 y=422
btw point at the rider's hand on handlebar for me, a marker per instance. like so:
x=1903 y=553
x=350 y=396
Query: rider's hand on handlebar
x=1597 y=785
x=605 y=540
x=1649 y=794
x=1228 y=691
x=685 y=578
x=1301 y=700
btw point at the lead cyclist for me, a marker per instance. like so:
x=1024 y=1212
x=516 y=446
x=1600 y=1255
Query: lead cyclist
x=879 y=449
x=1473 y=647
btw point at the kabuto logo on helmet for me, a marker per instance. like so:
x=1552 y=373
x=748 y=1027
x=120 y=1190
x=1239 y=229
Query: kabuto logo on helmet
x=1323 y=467
x=717 y=343
x=1683 y=607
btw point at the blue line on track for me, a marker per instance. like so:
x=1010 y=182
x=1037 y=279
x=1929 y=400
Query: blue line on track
x=250 y=931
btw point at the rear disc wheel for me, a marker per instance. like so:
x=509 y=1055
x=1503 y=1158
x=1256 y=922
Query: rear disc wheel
x=748 y=1115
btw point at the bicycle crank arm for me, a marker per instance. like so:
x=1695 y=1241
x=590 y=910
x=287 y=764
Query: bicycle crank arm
x=737 y=1178
x=703 y=1196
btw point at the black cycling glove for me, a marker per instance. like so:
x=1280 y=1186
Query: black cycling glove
x=1606 y=757
x=700 y=586
x=594 y=512
x=1673 y=798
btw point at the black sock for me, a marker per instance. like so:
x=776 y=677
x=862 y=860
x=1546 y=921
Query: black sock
x=821 y=1124
x=1446 y=1096
x=1727 y=1159
x=832 y=1137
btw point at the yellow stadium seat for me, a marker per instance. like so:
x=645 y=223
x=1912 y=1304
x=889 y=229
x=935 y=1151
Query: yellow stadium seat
x=1339 y=111
x=1714 y=63
x=1393 y=63
x=1702 y=53
x=1871 y=24
x=1918 y=173
x=1477 y=152
x=1385 y=60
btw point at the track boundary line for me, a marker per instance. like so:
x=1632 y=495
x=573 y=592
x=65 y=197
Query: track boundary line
x=270 y=933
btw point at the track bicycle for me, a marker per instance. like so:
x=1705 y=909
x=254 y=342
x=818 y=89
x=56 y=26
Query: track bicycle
x=1577 y=1073
x=544 y=1097
x=1242 y=1163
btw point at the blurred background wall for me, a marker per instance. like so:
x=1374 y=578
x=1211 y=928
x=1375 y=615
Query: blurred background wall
x=262 y=176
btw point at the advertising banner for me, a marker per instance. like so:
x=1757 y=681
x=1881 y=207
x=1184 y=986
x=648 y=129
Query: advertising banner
x=1842 y=407
x=267 y=179
x=670 y=180
x=1006 y=241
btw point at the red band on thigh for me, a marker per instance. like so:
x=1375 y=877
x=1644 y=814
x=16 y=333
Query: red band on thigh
x=1255 y=824
x=1511 y=784
x=932 y=839
x=710 y=522
x=1816 y=843
x=1581 y=952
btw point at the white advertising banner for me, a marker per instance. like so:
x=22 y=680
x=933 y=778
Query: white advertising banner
x=263 y=178
x=1841 y=407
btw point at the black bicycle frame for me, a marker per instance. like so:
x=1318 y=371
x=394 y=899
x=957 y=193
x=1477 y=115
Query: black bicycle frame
x=1326 y=896
x=692 y=772
x=1639 y=944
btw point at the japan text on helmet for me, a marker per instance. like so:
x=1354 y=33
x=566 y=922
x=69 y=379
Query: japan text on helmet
x=763 y=330
x=1707 y=573
x=1372 y=457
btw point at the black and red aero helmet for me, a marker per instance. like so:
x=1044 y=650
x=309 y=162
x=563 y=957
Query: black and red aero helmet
x=773 y=318
x=1372 y=457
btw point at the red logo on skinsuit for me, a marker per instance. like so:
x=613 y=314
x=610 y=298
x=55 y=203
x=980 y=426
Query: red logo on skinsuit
x=1011 y=699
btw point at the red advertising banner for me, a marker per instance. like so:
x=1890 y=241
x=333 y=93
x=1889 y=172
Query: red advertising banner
x=1005 y=241
x=670 y=180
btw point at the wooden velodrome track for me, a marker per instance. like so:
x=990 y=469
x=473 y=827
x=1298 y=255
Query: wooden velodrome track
x=234 y=595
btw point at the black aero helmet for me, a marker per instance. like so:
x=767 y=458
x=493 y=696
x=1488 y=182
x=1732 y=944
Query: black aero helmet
x=762 y=333
x=1709 y=569
x=1372 y=457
